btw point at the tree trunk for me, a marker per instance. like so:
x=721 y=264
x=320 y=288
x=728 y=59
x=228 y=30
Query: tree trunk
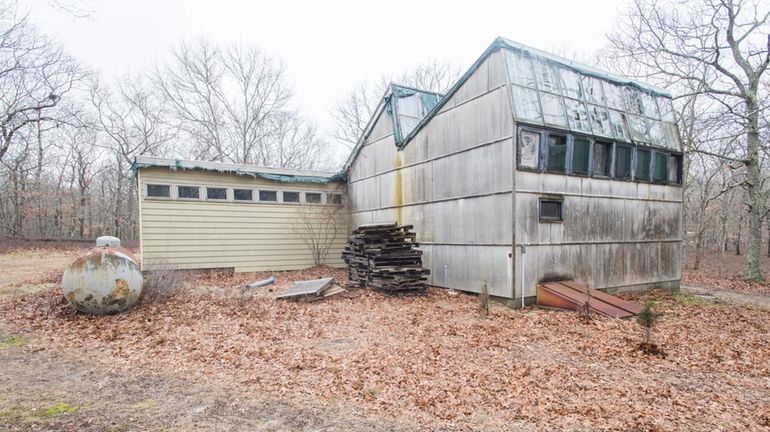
x=756 y=200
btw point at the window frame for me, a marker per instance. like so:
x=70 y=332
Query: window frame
x=260 y=200
x=176 y=192
x=653 y=158
x=299 y=197
x=540 y=133
x=252 y=200
x=610 y=155
x=330 y=199
x=556 y=199
x=571 y=155
x=320 y=198
x=651 y=152
x=226 y=189
x=546 y=145
x=632 y=162
x=679 y=181
x=170 y=196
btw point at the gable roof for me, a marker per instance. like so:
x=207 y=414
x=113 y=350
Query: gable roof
x=284 y=175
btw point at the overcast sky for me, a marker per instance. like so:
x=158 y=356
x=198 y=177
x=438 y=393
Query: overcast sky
x=327 y=46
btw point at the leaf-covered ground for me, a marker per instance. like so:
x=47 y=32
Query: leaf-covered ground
x=431 y=362
x=725 y=272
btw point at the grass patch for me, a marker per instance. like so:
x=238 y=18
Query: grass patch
x=12 y=341
x=57 y=409
x=693 y=300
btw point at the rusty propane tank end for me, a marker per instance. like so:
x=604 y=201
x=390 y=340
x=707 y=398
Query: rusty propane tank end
x=106 y=279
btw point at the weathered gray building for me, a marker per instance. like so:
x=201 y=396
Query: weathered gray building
x=530 y=152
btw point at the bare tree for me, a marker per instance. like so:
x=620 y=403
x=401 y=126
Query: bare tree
x=352 y=113
x=319 y=226
x=35 y=74
x=720 y=48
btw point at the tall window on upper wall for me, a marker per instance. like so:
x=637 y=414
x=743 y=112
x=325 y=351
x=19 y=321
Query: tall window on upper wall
x=581 y=153
x=675 y=169
x=643 y=164
x=557 y=153
x=529 y=149
x=623 y=162
x=602 y=158
x=660 y=167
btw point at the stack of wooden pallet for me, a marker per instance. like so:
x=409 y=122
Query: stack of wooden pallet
x=383 y=256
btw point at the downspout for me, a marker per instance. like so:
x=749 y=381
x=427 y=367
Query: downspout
x=521 y=278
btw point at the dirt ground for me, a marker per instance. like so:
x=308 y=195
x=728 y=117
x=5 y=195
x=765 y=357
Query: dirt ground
x=217 y=357
x=724 y=272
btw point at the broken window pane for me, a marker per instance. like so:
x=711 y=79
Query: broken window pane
x=547 y=79
x=190 y=192
x=660 y=167
x=557 y=153
x=671 y=136
x=614 y=95
x=268 y=196
x=553 y=110
x=312 y=197
x=529 y=149
x=570 y=83
x=600 y=120
x=581 y=151
x=666 y=109
x=216 y=193
x=158 y=191
x=623 y=162
x=633 y=101
x=642 y=164
x=602 y=158
x=650 y=106
x=520 y=69
x=675 y=169
x=592 y=89
x=526 y=104
x=290 y=197
x=619 y=127
x=578 y=115
x=657 y=135
x=243 y=194
x=639 y=131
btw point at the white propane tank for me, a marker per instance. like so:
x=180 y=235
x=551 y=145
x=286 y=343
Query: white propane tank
x=104 y=280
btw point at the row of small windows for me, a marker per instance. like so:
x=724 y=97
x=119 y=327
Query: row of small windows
x=241 y=195
x=564 y=153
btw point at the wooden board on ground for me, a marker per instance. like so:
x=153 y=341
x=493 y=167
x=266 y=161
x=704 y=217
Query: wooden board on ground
x=571 y=295
x=311 y=288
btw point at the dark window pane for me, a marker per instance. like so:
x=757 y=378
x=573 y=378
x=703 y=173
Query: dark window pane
x=581 y=149
x=291 y=197
x=660 y=167
x=557 y=153
x=551 y=210
x=188 y=192
x=602 y=158
x=163 y=191
x=335 y=198
x=529 y=149
x=623 y=162
x=642 y=165
x=243 y=194
x=312 y=198
x=675 y=169
x=216 y=193
x=271 y=196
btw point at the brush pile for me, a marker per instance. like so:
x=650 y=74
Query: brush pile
x=383 y=256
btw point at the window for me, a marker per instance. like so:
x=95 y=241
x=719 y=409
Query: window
x=602 y=158
x=268 y=196
x=291 y=197
x=335 y=198
x=553 y=110
x=158 y=191
x=243 y=194
x=529 y=149
x=642 y=164
x=188 y=192
x=557 y=153
x=581 y=151
x=312 y=197
x=675 y=169
x=660 y=168
x=551 y=210
x=216 y=193
x=623 y=162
